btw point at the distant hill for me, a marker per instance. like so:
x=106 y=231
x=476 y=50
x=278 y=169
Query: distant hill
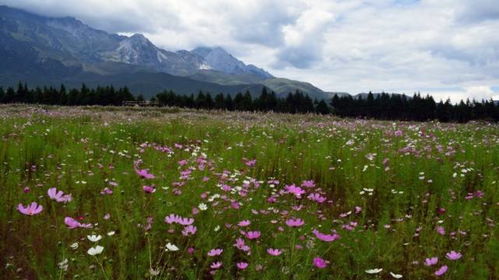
x=44 y=50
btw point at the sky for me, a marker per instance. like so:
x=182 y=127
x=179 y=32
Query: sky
x=446 y=48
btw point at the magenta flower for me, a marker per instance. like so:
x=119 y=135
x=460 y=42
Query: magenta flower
x=431 y=261
x=326 y=237
x=295 y=222
x=242 y=265
x=293 y=189
x=144 y=173
x=215 y=252
x=149 y=189
x=441 y=271
x=253 y=234
x=250 y=163
x=244 y=223
x=453 y=255
x=72 y=223
x=189 y=230
x=31 y=209
x=176 y=219
x=440 y=230
x=58 y=196
x=308 y=184
x=316 y=197
x=274 y=252
x=216 y=265
x=241 y=245
x=320 y=262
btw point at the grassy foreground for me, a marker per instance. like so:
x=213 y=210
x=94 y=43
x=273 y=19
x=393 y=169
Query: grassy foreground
x=174 y=194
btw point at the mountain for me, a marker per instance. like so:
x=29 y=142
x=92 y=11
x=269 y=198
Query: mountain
x=45 y=50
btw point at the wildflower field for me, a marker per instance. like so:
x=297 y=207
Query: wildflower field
x=147 y=193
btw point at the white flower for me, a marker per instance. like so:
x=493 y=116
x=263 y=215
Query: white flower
x=171 y=247
x=111 y=233
x=202 y=207
x=374 y=270
x=74 y=246
x=217 y=228
x=95 y=250
x=63 y=265
x=94 y=238
x=396 y=276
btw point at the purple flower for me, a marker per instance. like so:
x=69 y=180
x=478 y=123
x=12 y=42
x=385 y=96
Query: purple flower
x=274 y=252
x=242 y=265
x=320 y=262
x=441 y=271
x=144 y=173
x=149 y=189
x=58 y=196
x=31 y=209
x=430 y=261
x=215 y=252
x=326 y=237
x=253 y=234
x=453 y=255
x=295 y=222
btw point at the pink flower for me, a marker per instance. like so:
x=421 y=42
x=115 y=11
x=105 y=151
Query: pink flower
x=253 y=234
x=244 y=223
x=176 y=219
x=149 y=189
x=241 y=245
x=441 y=230
x=189 y=230
x=326 y=237
x=453 y=255
x=295 y=222
x=431 y=261
x=441 y=271
x=274 y=252
x=242 y=265
x=320 y=262
x=107 y=191
x=216 y=265
x=215 y=252
x=144 y=173
x=316 y=197
x=72 y=223
x=58 y=196
x=398 y=133
x=308 y=184
x=250 y=163
x=292 y=189
x=31 y=209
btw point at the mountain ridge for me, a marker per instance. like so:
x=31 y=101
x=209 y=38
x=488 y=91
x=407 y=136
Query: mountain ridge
x=39 y=45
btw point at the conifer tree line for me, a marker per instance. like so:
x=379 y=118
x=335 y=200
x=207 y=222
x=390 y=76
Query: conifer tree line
x=380 y=106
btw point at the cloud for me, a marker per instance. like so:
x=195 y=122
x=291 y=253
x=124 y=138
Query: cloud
x=438 y=46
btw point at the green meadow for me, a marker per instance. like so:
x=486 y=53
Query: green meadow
x=166 y=193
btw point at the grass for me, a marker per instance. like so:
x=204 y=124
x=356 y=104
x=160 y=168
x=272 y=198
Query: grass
x=387 y=185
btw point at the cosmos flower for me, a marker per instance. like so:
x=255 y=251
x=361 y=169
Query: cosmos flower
x=31 y=209
x=95 y=250
x=242 y=265
x=72 y=223
x=396 y=276
x=320 y=262
x=374 y=270
x=94 y=238
x=149 y=189
x=453 y=255
x=244 y=223
x=431 y=261
x=216 y=265
x=441 y=271
x=253 y=234
x=326 y=237
x=58 y=196
x=274 y=252
x=189 y=230
x=215 y=252
x=295 y=222
x=293 y=189
x=144 y=173
x=171 y=247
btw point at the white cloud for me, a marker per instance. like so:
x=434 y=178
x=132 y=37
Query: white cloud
x=338 y=45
